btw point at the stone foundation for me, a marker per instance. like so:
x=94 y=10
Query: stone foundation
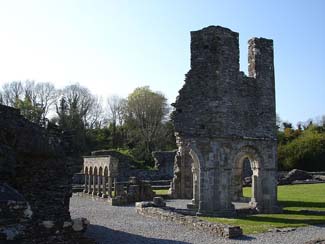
x=169 y=214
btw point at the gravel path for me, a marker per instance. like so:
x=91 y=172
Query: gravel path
x=123 y=225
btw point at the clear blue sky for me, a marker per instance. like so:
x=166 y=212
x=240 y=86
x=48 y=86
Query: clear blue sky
x=112 y=47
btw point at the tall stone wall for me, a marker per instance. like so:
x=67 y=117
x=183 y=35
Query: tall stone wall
x=34 y=163
x=217 y=99
x=221 y=118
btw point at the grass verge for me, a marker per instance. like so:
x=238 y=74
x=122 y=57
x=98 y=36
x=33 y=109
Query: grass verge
x=292 y=198
x=161 y=192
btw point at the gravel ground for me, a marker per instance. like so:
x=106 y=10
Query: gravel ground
x=123 y=225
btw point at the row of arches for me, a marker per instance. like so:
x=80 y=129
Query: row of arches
x=98 y=182
x=229 y=188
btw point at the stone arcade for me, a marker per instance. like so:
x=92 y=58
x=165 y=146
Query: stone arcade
x=223 y=117
x=99 y=174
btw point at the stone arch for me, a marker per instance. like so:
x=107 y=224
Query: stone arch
x=95 y=181
x=195 y=168
x=100 y=181
x=196 y=178
x=90 y=180
x=256 y=163
x=106 y=171
x=107 y=182
x=86 y=180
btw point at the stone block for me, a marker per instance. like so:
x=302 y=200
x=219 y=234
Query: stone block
x=159 y=202
x=143 y=204
x=80 y=224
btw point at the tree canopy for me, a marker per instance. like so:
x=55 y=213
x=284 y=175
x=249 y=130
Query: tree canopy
x=140 y=123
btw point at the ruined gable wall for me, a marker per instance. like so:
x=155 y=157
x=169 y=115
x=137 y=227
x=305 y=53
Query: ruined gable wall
x=220 y=115
x=217 y=100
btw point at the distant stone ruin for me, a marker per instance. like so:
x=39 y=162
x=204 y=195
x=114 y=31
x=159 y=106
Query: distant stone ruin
x=35 y=183
x=101 y=172
x=164 y=163
x=223 y=117
x=127 y=167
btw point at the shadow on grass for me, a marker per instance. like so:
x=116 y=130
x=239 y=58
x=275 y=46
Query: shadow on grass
x=308 y=212
x=291 y=221
x=300 y=204
x=105 y=235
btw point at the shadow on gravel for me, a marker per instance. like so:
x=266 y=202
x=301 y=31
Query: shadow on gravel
x=104 y=235
x=243 y=238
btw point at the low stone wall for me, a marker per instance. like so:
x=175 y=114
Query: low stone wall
x=170 y=214
x=143 y=174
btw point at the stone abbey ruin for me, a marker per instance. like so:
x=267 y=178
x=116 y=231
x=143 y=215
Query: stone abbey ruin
x=222 y=117
x=36 y=166
x=101 y=172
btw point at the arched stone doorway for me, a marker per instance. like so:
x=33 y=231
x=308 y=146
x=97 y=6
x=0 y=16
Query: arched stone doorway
x=256 y=164
x=195 y=168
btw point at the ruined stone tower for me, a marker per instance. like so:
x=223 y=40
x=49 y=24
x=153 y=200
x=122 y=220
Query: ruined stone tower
x=222 y=117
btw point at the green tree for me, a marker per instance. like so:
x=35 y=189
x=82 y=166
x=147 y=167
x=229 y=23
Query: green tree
x=33 y=99
x=28 y=110
x=78 y=110
x=306 y=151
x=115 y=109
x=145 y=114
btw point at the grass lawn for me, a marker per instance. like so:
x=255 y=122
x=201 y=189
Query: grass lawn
x=161 y=192
x=292 y=198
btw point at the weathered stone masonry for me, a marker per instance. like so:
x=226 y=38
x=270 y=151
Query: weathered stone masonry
x=35 y=183
x=100 y=171
x=126 y=167
x=222 y=117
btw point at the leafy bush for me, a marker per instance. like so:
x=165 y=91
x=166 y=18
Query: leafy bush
x=138 y=164
x=306 y=152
